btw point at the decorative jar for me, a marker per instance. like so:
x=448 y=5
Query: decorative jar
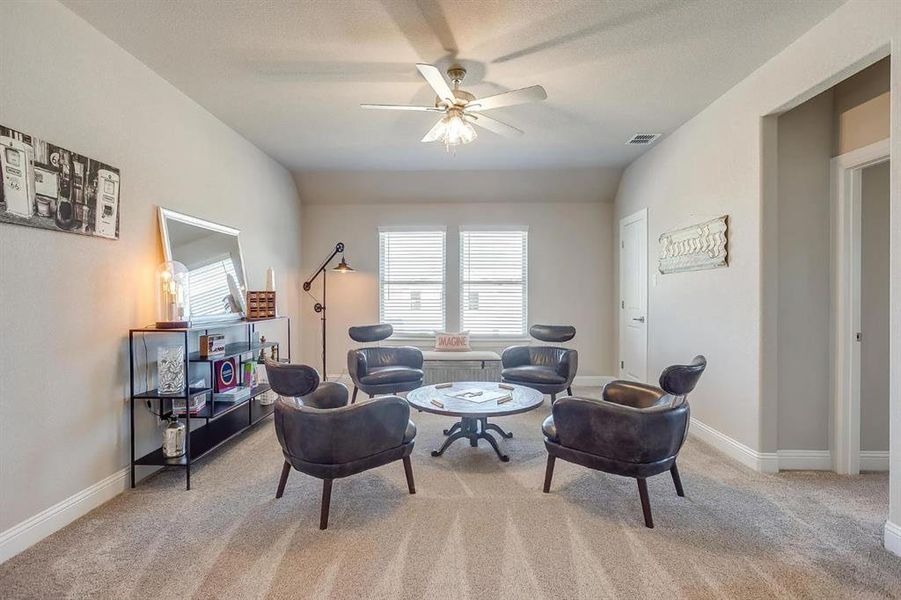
x=171 y=369
x=174 y=439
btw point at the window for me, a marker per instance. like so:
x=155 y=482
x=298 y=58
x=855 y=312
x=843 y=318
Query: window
x=411 y=280
x=494 y=282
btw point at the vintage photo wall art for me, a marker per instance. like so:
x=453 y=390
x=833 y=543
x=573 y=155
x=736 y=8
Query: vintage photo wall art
x=46 y=186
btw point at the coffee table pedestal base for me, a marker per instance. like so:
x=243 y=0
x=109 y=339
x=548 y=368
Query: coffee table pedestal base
x=474 y=429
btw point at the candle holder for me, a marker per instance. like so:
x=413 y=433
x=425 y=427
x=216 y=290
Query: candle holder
x=173 y=309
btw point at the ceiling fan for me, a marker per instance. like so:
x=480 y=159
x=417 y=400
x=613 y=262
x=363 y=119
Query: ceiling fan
x=461 y=109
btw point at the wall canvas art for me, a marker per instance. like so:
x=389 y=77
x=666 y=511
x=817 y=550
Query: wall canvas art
x=46 y=186
x=701 y=246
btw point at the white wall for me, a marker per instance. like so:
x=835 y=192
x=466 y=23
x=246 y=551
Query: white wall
x=570 y=247
x=874 y=309
x=67 y=301
x=721 y=161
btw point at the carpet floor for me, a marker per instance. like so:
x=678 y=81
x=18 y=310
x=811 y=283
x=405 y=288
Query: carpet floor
x=476 y=528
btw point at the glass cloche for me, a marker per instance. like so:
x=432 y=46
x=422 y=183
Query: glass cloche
x=173 y=310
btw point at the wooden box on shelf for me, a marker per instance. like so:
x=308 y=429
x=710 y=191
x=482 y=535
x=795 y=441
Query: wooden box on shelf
x=260 y=305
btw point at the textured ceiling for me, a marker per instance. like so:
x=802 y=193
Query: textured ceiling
x=290 y=75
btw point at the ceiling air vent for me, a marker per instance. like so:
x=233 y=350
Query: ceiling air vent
x=643 y=139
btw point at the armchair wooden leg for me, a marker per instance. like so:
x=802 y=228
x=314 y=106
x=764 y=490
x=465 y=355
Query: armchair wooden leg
x=645 y=503
x=549 y=473
x=569 y=391
x=326 y=501
x=677 y=481
x=286 y=470
x=353 y=398
x=408 y=471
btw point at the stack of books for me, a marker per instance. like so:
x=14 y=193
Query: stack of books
x=235 y=394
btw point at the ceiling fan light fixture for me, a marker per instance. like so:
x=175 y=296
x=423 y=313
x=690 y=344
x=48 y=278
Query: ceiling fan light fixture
x=457 y=131
x=461 y=109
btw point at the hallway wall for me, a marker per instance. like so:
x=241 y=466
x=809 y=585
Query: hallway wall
x=804 y=151
x=875 y=274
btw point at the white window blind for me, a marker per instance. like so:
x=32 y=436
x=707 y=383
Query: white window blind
x=412 y=280
x=209 y=287
x=494 y=282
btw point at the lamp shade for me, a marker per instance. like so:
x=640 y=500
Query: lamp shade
x=343 y=267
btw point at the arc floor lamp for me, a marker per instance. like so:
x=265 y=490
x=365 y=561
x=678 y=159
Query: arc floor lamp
x=319 y=307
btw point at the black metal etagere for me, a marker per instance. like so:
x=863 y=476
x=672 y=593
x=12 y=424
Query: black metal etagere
x=222 y=420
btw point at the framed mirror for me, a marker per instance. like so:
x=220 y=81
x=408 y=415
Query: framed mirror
x=212 y=254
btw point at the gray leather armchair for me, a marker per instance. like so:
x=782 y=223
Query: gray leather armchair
x=382 y=370
x=548 y=369
x=636 y=431
x=325 y=437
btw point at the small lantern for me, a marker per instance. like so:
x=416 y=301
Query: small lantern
x=173 y=309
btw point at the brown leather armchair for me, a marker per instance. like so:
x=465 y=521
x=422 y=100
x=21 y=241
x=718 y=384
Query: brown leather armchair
x=548 y=369
x=325 y=437
x=382 y=369
x=636 y=431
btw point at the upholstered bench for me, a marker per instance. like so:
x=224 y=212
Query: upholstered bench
x=471 y=365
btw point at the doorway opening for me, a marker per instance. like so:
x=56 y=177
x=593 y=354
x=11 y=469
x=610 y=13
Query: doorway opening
x=817 y=277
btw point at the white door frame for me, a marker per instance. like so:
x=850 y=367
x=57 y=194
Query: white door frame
x=846 y=267
x=641 y=215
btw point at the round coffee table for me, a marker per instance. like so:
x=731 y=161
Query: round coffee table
x=473 y=424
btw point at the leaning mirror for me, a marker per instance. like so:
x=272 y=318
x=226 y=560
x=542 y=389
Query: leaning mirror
x=212 y=255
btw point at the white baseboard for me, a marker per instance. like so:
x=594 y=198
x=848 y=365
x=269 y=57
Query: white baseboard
x=30 y=531
x=805 y=460
x=893 y=538
x=874 y=460
x=759 y=461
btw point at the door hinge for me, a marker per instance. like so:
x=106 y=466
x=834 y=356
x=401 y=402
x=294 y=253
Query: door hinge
x=622 y=244
x=859 y=336
x=622 y=364
x=622 y=304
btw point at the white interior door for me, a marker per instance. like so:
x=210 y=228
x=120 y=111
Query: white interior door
x=633 y=287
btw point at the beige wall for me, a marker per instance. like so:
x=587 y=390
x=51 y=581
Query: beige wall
x=804 y=153
x=874 y=284
x=862 y=104
x=570 y=251
x=722 y=162
x=419 y=187
x=67 y=301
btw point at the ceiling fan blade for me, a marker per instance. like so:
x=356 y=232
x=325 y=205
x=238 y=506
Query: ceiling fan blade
x=533 y=93
x=437 y=81
x=402 y=107
x=494 y=125
x=435 y=132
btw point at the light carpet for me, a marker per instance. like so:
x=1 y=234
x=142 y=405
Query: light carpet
x=476 y=528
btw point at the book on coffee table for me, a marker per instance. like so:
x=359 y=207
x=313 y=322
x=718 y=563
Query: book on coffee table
x=478 y=395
